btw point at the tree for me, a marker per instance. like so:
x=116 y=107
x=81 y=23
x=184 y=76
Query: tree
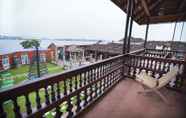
x=33 y=43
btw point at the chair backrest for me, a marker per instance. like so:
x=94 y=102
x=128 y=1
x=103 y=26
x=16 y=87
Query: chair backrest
x=166 y=78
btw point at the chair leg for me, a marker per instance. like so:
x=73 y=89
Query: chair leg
x=158 y=93
x=161 y=96
x=154 y=90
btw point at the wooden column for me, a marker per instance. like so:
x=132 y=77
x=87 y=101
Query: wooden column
x=181 y=31
x=126 y=26
x=184 y=70
x=173 y=35
x=131 y=25
x=146 y=35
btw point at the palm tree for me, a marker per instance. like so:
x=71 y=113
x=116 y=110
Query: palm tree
x=33 y=43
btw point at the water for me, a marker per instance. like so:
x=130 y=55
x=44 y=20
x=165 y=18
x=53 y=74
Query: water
x=13 y=45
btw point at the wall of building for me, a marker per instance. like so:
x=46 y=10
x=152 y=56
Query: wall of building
x=48 y=55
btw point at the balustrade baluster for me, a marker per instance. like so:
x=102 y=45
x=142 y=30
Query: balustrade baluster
x=65 y=87
x=154 y=68
x=16 y=108
x=28 y=104
x=58 y=112
x=96 y=84
x=86 y=97
x=159 y=66
x=47 y=99
x=107 y=81
x=2 y=112
x=102 y=74
x=38 y=100
x=168 y=65
x=85 y=91
x=94 y=74
x=91 y=86
x=58 y=91
x=104 y=79
x=76 y=82
x=70 y=84
x=140 y=65
x=143 y=66
x=135 y=64
x=69 y=108
x=111 y=78
x=78 y=102
x=151 y=64
x=164 y=67
x=146 y=65
x=129 y=65
x=80 y=80
x=53 y=96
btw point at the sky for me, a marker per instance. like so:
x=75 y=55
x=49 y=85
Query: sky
x=87 y=19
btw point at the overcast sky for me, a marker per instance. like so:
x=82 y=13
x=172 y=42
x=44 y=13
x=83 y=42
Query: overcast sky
x=91 y=19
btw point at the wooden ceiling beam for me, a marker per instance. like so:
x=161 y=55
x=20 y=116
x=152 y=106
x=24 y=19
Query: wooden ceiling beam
x=154 y=5
x=166 y=18
x=121 y=4
x=146 y=9
x=137 y=7
x=181 y=6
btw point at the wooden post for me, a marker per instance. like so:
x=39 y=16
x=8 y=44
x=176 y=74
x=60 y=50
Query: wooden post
x=126 y=35
x=126 y=26
x=173 y=35
x=131 y=25
x=146 y=35
x=184 y=70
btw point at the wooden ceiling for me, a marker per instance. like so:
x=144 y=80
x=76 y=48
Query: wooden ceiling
x=156 y=11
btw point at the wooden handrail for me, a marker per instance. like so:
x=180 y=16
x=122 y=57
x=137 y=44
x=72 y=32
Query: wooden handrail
x=90 y=79
x=160 y=50
x=160 y=59
x=156 y=66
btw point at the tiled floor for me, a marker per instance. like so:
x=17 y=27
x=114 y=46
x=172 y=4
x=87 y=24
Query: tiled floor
x=123 y=101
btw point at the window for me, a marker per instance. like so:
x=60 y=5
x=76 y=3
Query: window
x=42 y=57
x=24 y=59
x=5 y=61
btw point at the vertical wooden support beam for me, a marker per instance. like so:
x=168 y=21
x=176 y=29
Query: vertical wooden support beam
x=131 y=25
x=125 y=36
x=173 y=35
x=184 y=70
x=126 y=26
x=181 y=31
x=146 y=35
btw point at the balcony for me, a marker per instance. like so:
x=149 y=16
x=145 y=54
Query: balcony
x=103 y=89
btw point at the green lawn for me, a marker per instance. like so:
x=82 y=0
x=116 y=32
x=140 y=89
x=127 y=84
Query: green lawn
x=52 y=68
x=32 y=96
x=20 y=74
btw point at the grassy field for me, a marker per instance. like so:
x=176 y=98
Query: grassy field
x=52 y=68
x=8 y=106
x=20 y=74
